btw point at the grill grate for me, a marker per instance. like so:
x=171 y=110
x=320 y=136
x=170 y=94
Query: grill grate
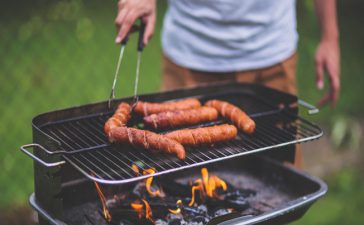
x=91 y=154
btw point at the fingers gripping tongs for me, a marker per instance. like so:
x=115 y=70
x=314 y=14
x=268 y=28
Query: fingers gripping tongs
x=139 y=48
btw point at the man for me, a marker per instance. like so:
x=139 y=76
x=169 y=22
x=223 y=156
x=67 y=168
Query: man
x=231 y=40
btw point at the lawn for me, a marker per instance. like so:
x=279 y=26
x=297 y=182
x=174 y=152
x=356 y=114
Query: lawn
x=56 y=54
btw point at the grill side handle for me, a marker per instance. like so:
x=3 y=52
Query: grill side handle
x=24 y=149
x=311 y=109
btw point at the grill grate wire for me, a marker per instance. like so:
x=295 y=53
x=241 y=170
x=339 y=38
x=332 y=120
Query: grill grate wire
x=90 y=152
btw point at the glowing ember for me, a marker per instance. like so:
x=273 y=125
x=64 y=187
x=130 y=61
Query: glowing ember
x=148 y=184
x=178 y=210
x=106 y=212
x=143 y=210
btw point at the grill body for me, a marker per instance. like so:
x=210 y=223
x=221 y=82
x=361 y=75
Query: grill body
x=86 y=151
x=286 y=192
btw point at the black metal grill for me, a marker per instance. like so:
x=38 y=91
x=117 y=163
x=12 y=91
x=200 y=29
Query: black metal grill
x=77 y=134
x=86 y=147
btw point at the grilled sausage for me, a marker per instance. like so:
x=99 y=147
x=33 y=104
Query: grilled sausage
x=204 y=135
x=148 y=108
x=179 y=118
x=120 y=118
x=147 y=140
x=237 y=116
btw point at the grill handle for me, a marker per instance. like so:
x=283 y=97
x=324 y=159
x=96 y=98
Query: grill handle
x=24 y=149
x=311 y=108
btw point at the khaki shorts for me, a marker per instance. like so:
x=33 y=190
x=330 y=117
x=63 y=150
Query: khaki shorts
x=281 y=76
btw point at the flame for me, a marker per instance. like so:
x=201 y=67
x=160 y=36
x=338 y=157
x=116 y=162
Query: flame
x=102 y=197
x=143 y=209
x=175 y=211
x=148 y=211
x=135 y=169
x=179 y=205
x=148 y=184
x=212 y=183
x=198 y=185
x=138 y=208
x=207 y=186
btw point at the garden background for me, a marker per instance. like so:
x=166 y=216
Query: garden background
x=57 y=54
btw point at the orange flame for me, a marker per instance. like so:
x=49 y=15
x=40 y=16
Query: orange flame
x=179 y=205
x=135 y=169
x=148 y=184
x=143 y=210
x=198 y=186
x=102 y=197
x=207 y=186
x=148 y=211
x=138 y=208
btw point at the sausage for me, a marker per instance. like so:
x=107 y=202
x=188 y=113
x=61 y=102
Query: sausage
x=147 y=108
x=147 y=140
x=237 y=116
x=120 y=118
x=179 y=118
x=204 y=135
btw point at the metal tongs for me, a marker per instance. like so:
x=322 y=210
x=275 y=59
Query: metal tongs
x=140 y=49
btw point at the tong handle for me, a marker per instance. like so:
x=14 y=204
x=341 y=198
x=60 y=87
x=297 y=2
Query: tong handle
x=311 y=108
x=24 y=148
x=125 y=40
x=141 y=35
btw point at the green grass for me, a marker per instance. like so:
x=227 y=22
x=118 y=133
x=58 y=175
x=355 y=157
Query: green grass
x=57 y=54
x=343 y=203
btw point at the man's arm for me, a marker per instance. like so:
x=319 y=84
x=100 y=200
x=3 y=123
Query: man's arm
x=327 y=57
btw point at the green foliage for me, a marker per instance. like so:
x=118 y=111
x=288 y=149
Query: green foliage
x=352 y=81
x=62 y=53
x=58 y=55
x=343 y=203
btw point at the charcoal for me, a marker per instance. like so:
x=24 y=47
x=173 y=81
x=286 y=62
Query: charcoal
x=160 y=222
x=221 y=211
x=177 y=222
x=194 y=211
x=172 y=187
x=198 y=220
x=202 y=208
x=172 y=216
x=125 y=222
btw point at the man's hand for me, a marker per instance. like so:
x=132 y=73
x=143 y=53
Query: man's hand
x=129 y=11
x=328 y=52
x=327 y=60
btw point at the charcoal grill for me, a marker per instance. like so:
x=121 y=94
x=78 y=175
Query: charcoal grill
x=70 y=147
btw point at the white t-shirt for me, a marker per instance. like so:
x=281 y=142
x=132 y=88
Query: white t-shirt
x=229 y=35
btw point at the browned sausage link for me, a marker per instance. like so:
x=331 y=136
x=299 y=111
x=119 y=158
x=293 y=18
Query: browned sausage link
x=147 y=140
x=181 y=117
x=120 y=118
x=234 y=114
x=204 y=135
x=148 y=108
